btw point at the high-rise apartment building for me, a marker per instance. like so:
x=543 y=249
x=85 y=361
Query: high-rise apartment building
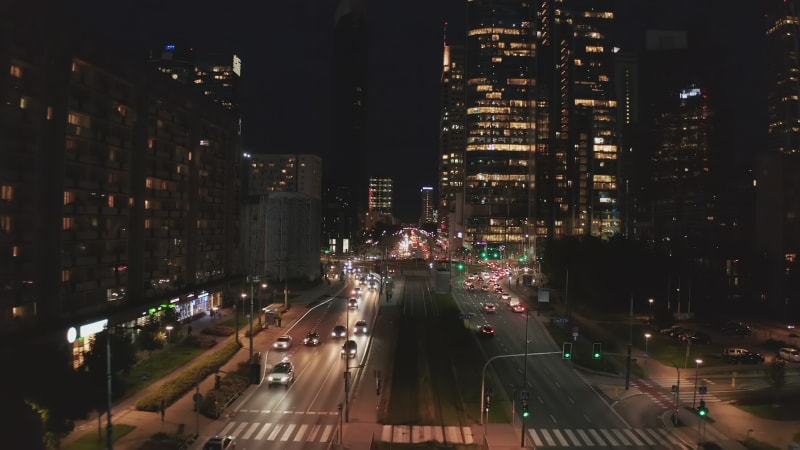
x=300 y=176
x=119 y=187
x=541 y=152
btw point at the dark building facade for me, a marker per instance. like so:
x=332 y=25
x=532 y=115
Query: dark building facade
x=346 y=161
x=119 y=186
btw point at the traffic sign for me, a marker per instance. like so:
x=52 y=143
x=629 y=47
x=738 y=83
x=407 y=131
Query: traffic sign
x=489 y=392
x=524 y=395
x=703 y=390
x=674 y=388
x=198 y=399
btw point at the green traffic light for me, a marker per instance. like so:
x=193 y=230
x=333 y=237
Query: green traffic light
x=702 y=412
x=596 y=356
x=567 y=355
x=525 y=413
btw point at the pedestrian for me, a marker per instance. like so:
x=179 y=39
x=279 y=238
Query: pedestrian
x=162 y=409
x=190 y=330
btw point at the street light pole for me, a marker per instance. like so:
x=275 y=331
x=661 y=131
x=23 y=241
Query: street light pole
x=646 y=339
x=696 y=369
x=630 y=349
x=524 y=379
x=651 y=311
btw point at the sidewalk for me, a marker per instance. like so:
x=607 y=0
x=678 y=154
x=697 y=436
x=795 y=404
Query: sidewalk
x=181 y=414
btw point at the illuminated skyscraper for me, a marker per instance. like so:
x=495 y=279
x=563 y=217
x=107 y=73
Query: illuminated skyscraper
x=380 y=195
x=541 y=152
x=428 y=206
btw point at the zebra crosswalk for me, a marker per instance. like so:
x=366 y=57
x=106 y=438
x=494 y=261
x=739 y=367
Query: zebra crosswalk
x=413 y=434
x=602 y=437
x=279 y=432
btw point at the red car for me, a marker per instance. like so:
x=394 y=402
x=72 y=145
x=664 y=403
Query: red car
x=486 y=330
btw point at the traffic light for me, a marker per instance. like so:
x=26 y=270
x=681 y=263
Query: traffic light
x=217 y=381
x=525 y=412
x=702 y=411
x=566 y=350
x=596 y=350
x=486 y=403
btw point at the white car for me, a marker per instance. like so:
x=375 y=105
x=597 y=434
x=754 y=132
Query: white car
x=505 y=296
x=360 y=327
x=282 y=373
x=283 y=342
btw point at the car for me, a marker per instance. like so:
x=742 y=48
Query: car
x=486 y=330
x=489 y=308
x=750 y=358
x=733 y=353
x=219 y=443
x=283 y=342
x=788 y=354
x=471 y=288
x=312 y=338
x=339 y=331
x=282 y=373
x=360 y=326
x=352 y=302
x=498 y=289
x=505 y=296
x=518 y=308
x=736 y=329
x=349 y=349
x=700 y=338
x=485 y=288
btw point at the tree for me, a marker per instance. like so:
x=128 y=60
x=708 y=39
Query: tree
x=95 y=367
x=149 y=338
x=776 y=377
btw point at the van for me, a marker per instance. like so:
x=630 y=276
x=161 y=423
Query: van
x=733 y=353
x=512 y=302
x=789 y=354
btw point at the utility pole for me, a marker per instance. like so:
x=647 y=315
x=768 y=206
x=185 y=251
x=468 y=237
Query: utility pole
x=524 y=381
x=630 y=349
x=109 y=426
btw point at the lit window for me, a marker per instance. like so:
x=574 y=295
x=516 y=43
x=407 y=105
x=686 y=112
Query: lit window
x=69 y=197
x=67 y=223
x=148 y=224
x=16 y=71
x=65 y=275
x=49 y=115
x=110 y=201
x=15 y=251
x=23 y=103
x=147 y=204
x=6 y=192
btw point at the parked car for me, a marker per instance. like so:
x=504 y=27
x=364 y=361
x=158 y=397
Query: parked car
x=789 y=354
x=750 y=358
x=733 y=353
x=700 y=338
x=736 y=329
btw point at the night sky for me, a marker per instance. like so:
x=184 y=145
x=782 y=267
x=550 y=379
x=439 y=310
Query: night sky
x=286 y=53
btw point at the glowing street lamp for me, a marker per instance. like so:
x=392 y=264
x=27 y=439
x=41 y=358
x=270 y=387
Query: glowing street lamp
x=651 y=309
x=646 y=340
x=169 y=332
x=696 y=369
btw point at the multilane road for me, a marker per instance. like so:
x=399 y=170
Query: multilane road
x=306 y=413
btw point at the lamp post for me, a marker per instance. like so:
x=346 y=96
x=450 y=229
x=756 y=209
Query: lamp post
x=260 y=306
x=696 y=370
x=169 y=333
x=651 y=310
x=524 y=381
x=646 y=339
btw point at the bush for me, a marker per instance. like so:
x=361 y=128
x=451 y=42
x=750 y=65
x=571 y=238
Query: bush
x=201 y=341
x=215 y=401
x=173 y=390
x=219 y=330
x=165 y=441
